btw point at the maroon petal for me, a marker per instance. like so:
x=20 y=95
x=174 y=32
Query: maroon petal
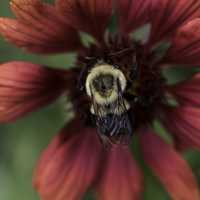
x=185 y=48
x=91 y=16
x=39 y=28
x=25 y=87
x=133 y=14
x=171 y=169
x=184 y=124
x=122 y=178
x=168 y=15
x=187 y=92
x=70 y=164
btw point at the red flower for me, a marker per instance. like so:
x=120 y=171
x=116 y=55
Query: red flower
x=121 y=92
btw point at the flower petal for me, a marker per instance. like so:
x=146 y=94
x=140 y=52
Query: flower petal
x=91 y=16
x=185 y=48
x=26 y=87
x=122 y=178
x=184 y=124
x=133 y=14
x=39 y=28
x=167 y=164
x=70 y=164
x=173 y=13
x=187 y=92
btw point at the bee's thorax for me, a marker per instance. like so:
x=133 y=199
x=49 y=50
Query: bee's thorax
x=104 y=81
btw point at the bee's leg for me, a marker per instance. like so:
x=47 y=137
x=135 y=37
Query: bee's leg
x=105 y=141
x=80 y=83
x=135 y=70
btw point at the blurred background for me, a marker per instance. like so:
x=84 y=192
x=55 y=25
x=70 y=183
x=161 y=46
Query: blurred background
x=22 y=142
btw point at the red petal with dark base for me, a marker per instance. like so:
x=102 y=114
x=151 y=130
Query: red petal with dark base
x=122 y=178
x=187 y=92
x=133 y=13
x=184 y=124
x=186 y=44
x=168 y=165
x=168 y=15
x=25 y=87
x=70 y=164
x=39 y=28
x=91 y=16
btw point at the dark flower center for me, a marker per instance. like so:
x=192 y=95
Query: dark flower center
x=111 y=104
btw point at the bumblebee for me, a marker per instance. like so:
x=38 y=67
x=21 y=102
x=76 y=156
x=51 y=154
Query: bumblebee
x=105 y=85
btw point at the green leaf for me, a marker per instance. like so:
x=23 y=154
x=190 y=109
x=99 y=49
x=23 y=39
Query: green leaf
x=141 y=34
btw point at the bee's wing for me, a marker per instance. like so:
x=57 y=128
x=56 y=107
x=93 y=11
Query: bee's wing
x=124 y=127
x=114 y=127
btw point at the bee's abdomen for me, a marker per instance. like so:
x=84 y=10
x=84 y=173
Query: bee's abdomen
x=117 y=128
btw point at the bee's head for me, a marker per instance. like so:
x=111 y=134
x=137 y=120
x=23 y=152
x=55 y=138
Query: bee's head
x=104 y=82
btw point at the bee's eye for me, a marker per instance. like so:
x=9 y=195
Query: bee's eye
x=103 y=83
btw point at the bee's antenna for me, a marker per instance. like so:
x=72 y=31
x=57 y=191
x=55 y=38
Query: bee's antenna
x=121 y=52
